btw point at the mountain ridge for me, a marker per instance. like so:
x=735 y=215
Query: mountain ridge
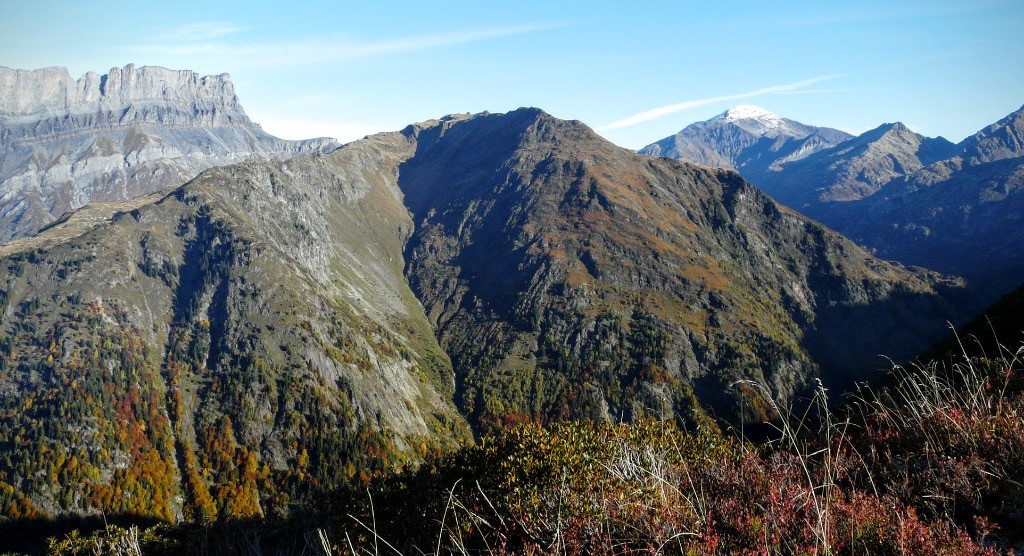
x=273 y=328
x=854 y=169
x=922 y=201
x=129 y=94
x=746 y=137
x=573 y=250
x=261 y=312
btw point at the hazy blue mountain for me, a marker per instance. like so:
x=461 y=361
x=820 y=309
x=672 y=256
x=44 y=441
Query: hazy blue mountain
x=955 y=208
x=853 y=170
x=748 y=139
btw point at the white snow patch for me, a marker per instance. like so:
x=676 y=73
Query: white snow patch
x=748 y=112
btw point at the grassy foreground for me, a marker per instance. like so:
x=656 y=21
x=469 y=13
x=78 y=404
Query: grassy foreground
x=932 y=464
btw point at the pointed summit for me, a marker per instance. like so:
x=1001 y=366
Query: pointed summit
x=1001 y=140
x=747 y=137
x=760 y=122
x=856 y=169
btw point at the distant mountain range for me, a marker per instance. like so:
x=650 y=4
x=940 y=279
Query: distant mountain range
x=747 y=139
x=856 y=169
x=67 y=143
x=918 y=200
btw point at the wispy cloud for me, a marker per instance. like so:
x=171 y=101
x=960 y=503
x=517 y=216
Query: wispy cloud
x=326 y=49
x=662 y=111
x=202 y=31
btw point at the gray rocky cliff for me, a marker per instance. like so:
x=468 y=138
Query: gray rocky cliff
x=66 y=143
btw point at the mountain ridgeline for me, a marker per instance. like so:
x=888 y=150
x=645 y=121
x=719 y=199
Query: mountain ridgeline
x=954 y=208
x=747 y=139
x=855 y=170
x=569 y=278
x=960 y=215
x=271 y=329
x=67 y=143
x=226 y=351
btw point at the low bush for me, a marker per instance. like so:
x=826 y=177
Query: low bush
x=931 y=464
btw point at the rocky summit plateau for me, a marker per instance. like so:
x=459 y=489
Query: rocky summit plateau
x=67 y=143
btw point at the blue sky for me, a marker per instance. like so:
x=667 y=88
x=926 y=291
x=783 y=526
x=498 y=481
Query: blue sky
x=635 y=71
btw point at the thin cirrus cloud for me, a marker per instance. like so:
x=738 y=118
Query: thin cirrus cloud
x=662 y=111
x=319 y=49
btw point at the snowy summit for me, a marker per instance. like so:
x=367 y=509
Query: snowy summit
x=748 y=112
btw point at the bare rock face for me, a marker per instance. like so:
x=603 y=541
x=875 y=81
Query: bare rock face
x=48 y=100
x=257 y=344
x=66 y=143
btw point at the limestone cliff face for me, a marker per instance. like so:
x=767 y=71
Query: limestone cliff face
x=50 y=100
x=66 y=143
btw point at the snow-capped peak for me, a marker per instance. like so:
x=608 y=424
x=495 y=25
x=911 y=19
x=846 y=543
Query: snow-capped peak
x=748 y=112
x=752 y=118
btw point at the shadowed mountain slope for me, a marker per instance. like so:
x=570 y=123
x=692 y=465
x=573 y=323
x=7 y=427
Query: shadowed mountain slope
x=570 y=278
x=853 y=170
x=959 y=215
x=921 y=201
